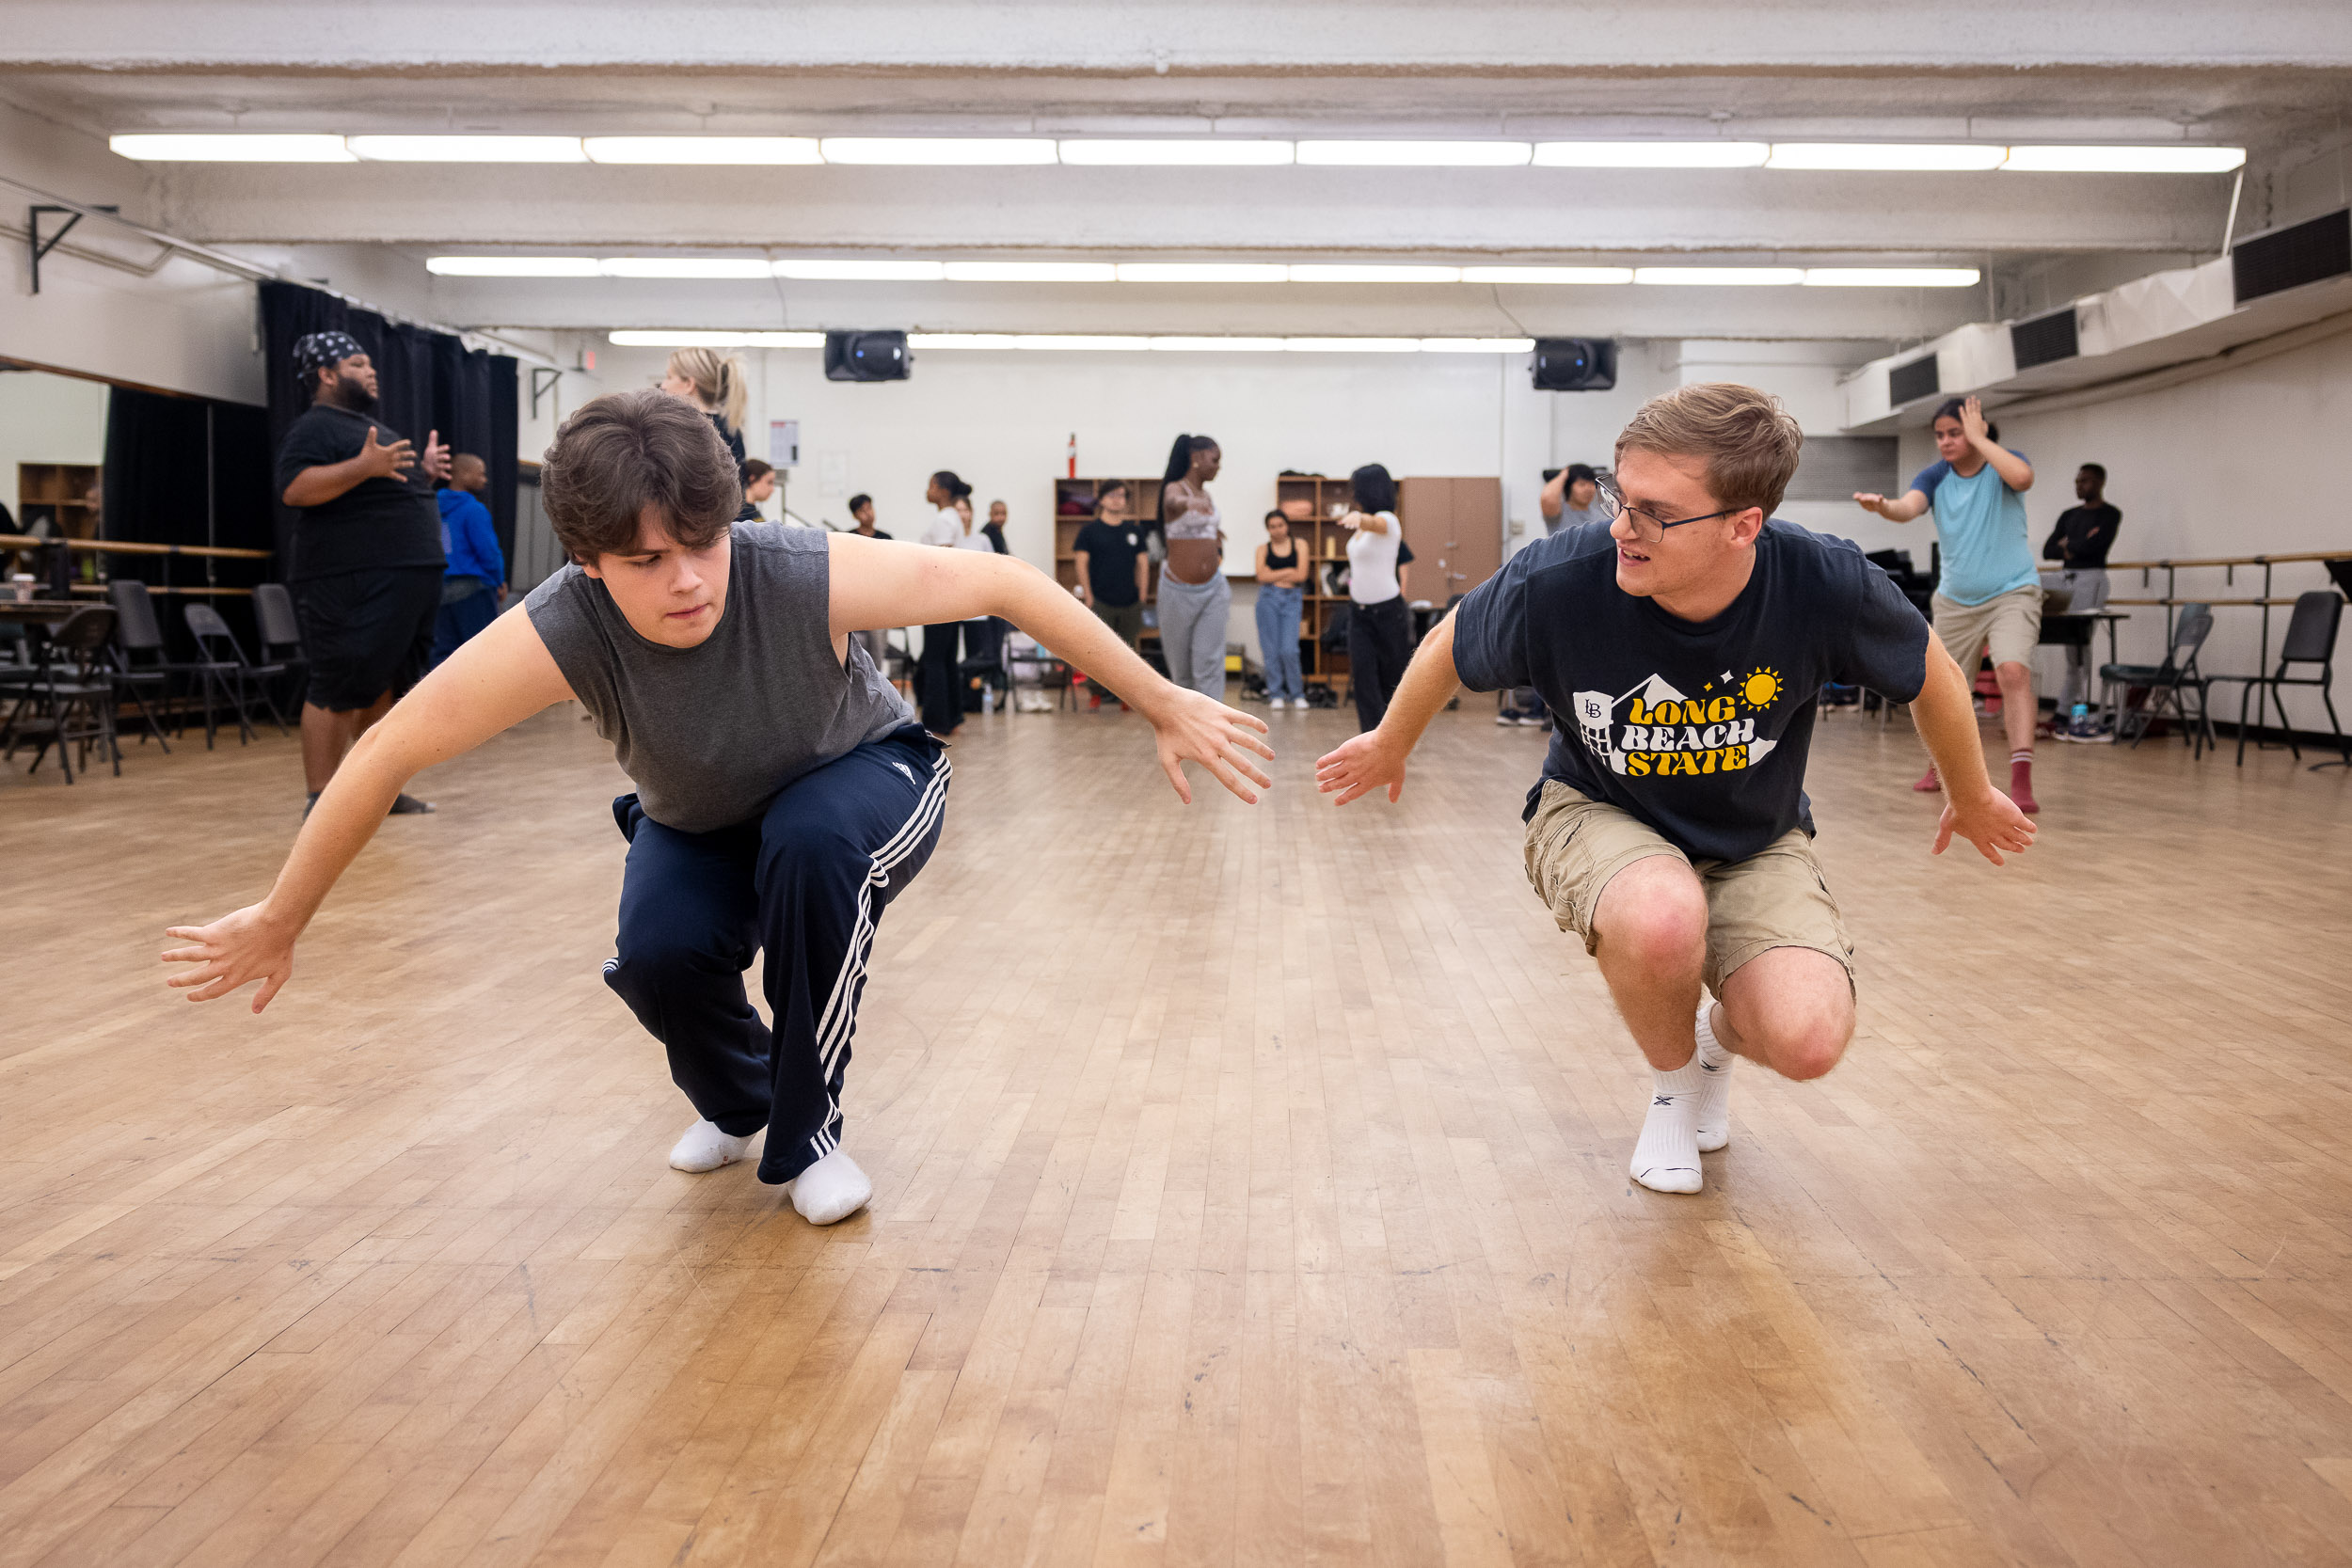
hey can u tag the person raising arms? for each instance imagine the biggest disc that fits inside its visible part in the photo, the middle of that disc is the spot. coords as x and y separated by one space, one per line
784 796
1684 645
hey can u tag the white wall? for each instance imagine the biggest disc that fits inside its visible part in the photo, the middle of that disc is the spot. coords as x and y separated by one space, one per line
2241 463
48 419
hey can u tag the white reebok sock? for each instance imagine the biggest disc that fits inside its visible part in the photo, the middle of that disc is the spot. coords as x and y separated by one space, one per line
703 1147
1666 1157
1714 1106
830 1190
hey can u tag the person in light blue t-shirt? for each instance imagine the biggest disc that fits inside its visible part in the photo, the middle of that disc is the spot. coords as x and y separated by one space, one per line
1990 594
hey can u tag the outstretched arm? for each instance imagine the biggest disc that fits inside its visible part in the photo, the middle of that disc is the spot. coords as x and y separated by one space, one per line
1976 811
1376 757
492 682
875 584
1895 509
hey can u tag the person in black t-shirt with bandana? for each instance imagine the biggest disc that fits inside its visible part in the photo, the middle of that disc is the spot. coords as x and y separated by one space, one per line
368 565
1683 645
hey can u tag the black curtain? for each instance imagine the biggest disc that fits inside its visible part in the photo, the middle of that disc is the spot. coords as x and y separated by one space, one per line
426 381
160 452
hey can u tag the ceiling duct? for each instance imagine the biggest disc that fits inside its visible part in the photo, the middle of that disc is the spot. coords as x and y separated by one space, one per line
1913 380
2288 258
2046 339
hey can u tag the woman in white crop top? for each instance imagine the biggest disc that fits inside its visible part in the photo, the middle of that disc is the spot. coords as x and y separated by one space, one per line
1195 600
1379 628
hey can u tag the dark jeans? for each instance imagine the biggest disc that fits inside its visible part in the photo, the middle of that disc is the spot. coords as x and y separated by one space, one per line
462 617
937 690
805 883
1378 638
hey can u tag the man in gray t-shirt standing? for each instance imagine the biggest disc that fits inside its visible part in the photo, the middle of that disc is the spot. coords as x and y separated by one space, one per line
784 796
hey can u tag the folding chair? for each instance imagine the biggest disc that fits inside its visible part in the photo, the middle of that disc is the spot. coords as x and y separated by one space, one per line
2310 639
78 698
2167 684
282 635
213 635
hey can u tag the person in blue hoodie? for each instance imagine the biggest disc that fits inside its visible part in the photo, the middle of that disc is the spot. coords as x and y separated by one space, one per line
475 585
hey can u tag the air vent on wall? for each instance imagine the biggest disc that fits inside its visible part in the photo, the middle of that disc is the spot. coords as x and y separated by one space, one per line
2045 339
1910 382
2292 257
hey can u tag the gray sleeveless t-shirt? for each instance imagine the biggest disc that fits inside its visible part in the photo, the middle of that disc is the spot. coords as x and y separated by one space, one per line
710 733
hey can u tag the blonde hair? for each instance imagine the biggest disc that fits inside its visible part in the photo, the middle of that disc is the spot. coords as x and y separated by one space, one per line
717 380
1749 441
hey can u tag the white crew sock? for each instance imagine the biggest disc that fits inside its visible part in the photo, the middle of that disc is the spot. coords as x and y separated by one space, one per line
703 1147
1713 1119
833 1188
1666 1157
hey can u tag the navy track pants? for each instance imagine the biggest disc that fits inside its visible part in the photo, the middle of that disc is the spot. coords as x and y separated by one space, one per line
805 882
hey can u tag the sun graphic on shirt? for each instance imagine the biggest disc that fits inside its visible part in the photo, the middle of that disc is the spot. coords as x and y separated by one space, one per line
1761 688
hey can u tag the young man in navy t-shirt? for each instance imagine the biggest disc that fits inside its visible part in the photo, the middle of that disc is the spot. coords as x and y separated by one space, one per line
1683 647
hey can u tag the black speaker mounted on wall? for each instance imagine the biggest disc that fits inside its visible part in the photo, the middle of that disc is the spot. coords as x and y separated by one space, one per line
867 356
1576 364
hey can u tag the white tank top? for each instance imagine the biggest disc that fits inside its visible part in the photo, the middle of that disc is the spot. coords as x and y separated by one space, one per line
1372 562
1196 525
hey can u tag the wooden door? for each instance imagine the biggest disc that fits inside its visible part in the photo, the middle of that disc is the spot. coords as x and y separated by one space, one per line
1426 508
1473 549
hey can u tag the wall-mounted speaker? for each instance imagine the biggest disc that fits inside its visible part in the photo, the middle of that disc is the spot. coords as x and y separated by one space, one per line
1576 364
867 356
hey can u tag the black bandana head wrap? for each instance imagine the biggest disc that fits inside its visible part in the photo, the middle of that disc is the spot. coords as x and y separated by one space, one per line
320 350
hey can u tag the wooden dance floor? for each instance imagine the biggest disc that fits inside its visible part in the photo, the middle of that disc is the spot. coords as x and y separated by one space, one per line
1250 1187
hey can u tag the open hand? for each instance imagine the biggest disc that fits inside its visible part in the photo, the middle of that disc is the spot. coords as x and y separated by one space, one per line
435 457
1870 500
1360 766
1972 420
382 462
244 946
1198 728
1993 824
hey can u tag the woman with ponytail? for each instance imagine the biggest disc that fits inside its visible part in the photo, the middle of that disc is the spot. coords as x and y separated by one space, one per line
714 383
1196 601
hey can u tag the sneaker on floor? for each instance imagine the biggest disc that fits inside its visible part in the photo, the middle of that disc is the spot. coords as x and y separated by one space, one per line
1507 720
1929 784
703 1147
408 805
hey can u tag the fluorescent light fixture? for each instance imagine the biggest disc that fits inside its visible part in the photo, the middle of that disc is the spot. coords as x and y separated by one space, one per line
1199 152
1218 345
675 337
1031 272
1546 275
1351 273
1721 277
1925 157
232 148
861 272
1203 271
685 266
1416 154
513 267
1478 345
703 149
1891 277
2126 160
939 149
468 150
1352 345
1651 155
1081 342
961 340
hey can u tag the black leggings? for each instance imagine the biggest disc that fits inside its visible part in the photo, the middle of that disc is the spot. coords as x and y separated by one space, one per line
936 688
1376 652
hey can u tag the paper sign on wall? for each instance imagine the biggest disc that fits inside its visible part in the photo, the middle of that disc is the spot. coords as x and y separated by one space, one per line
832 472
783 443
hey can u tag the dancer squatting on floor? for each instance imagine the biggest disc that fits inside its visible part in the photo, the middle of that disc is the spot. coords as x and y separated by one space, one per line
784 794
1683 643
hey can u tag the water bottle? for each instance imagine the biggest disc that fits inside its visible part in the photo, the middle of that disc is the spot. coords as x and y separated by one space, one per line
2081 716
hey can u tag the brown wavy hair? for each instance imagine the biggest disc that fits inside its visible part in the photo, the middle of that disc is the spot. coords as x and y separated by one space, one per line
1749 440
625 451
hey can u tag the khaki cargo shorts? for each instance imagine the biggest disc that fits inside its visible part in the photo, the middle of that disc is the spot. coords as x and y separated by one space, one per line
1774 898
2010 623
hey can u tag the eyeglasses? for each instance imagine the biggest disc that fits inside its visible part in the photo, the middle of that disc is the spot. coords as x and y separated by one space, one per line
1648 528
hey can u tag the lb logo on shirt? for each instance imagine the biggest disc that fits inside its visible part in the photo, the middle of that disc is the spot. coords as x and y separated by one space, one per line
1655 731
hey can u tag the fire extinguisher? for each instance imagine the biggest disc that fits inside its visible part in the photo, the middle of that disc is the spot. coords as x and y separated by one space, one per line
1073 454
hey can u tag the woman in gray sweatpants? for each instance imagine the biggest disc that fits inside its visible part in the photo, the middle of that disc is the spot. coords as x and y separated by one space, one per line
1196 601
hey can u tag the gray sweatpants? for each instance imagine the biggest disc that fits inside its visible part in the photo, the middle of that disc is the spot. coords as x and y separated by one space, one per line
1193 624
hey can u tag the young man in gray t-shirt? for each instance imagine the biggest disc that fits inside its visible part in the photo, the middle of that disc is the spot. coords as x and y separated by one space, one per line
784 796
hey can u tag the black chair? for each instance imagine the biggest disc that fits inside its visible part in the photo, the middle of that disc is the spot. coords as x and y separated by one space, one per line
213 635
282 635
74 693
140 655
2310 639
2167 684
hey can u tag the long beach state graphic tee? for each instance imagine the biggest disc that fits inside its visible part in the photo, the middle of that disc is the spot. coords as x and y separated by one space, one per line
1699 728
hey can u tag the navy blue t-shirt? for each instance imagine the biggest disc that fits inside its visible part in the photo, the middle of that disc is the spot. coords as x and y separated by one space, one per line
1699 728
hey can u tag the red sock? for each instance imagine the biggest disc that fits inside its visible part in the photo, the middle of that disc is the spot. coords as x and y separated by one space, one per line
2021 780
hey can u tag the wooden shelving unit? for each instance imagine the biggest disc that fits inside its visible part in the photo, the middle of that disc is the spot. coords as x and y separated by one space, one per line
58 493
1324 542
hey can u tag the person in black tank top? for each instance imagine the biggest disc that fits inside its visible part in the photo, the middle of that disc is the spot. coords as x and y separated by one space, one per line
784 796
1282 574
